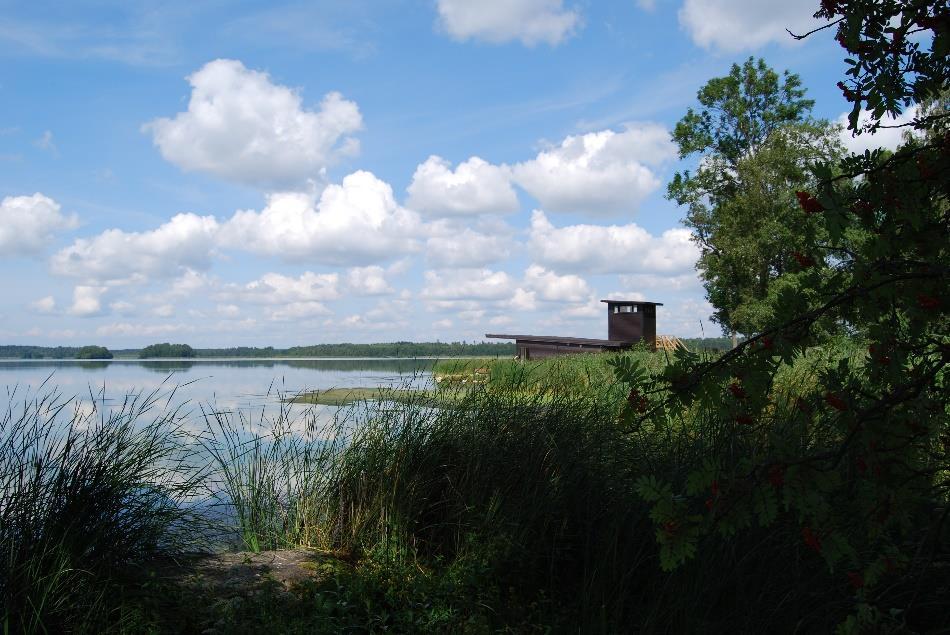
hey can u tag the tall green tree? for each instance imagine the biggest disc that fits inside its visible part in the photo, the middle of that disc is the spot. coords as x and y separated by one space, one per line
755 139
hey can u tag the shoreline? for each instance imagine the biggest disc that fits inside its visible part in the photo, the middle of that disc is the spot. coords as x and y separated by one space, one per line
244 359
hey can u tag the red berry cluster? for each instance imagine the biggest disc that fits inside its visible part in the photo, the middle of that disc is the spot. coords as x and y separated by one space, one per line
637 401
862 208
811 539
808 203
777 475
711 501
878 355
855 579
835 402
830 6
804 261
849 94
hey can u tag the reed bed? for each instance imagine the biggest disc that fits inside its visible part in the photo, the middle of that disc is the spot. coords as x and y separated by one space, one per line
85 491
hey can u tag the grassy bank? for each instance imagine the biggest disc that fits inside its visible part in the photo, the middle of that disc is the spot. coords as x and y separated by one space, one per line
574 374
507 505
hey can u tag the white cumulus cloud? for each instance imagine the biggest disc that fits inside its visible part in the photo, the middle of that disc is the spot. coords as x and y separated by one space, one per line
44 305
474 187
298 311
284 298
357 222
451 245
242 127
369 280
275 288
599 173
690 282
128 329
29 223
622 249
736 25
164 310
467 284
115 257
553 287
889 137
498 21
87 301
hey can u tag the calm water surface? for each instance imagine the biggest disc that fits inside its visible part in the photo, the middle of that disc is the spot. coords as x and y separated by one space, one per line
238 385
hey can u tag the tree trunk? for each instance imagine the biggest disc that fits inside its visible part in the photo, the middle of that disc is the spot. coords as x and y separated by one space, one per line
735 340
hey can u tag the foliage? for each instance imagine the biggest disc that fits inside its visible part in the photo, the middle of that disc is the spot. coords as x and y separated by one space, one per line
707 343
857 455
93 352
755 140
83 495
167 350
897 54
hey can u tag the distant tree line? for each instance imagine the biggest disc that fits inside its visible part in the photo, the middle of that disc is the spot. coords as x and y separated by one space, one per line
239 351
38 352
403 349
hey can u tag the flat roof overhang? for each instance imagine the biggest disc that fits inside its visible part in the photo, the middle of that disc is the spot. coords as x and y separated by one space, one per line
567 341
631 302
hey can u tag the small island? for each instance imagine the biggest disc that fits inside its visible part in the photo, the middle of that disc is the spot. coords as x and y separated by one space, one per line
165 350
94 352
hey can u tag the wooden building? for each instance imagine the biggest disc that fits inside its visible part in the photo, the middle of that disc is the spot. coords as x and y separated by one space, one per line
628 322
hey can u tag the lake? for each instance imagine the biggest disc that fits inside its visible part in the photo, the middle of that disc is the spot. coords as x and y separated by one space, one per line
250 386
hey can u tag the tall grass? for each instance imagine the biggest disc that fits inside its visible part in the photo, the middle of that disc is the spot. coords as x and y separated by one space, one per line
85 491
529 495
269 478
537 488
578 374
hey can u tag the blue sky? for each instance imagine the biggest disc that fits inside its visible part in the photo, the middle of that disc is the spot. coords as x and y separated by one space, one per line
249 173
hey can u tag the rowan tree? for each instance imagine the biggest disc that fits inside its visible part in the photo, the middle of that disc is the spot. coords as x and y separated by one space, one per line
856 456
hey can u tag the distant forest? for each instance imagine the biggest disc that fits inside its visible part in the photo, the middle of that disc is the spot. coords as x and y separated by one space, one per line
389 349
384 349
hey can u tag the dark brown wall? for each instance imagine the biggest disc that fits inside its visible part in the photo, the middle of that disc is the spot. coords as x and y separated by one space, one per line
632 327
649 325
624 327
541 350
